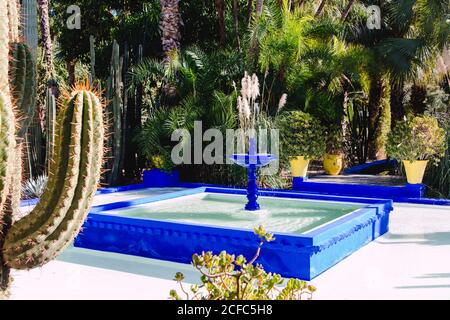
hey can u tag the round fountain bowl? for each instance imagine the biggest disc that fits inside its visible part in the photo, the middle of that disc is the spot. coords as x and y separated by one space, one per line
259 160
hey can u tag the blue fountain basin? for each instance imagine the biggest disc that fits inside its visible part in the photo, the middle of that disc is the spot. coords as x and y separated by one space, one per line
172 230
259 160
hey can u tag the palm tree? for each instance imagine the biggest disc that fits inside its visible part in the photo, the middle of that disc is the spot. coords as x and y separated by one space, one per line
347 10
46 37
411 33
320 8
169 25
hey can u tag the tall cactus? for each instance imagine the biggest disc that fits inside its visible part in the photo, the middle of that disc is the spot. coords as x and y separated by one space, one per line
39 237
115 87
92 54
23 85
74 171
30 25
50 121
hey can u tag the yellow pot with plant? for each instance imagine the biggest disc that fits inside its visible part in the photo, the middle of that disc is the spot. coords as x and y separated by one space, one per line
299 166
302 139
416 142
333 160
333 164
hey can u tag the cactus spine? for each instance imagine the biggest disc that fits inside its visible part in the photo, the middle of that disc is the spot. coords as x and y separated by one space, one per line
74 169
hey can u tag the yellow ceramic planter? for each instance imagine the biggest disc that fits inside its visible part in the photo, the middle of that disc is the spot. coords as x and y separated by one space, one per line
333 164
415 170
299 167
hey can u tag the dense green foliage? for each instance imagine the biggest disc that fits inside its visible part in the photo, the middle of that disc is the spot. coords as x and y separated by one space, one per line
419 138
227 277
438 178
302 135
327 63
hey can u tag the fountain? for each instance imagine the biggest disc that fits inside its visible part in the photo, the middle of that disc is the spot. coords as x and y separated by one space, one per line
252 161
313 232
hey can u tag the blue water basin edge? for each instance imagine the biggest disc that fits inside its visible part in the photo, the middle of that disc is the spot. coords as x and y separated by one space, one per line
303 256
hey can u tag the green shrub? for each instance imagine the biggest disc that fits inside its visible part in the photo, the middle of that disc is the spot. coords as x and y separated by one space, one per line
418 138
335 141
227 277
301 135
438 178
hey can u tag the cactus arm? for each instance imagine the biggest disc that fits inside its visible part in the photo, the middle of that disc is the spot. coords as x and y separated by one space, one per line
30 24
71 225
4 49
29 99
7 145
66 178
45 236
13 15
50 119
18 72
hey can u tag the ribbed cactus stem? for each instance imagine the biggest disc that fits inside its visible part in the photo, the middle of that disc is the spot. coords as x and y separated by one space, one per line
7 146
92 54
30 24
117 101
23 85
14 21
58 217
50 120
7 119
4 48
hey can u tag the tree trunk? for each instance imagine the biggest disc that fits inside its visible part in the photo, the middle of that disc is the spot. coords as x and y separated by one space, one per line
347 10
236 24
418 96
320 9
46 37
170 27
379 116
249 11
71 70
397 107
220 8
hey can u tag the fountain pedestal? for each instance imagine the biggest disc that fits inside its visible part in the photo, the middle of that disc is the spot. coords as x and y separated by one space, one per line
252 163
252 190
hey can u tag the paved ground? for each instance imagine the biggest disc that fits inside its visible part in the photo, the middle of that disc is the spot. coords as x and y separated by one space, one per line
411 262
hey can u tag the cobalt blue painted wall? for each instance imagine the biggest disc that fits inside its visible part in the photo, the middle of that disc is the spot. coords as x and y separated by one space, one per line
302 256
360 190
381 165
156 178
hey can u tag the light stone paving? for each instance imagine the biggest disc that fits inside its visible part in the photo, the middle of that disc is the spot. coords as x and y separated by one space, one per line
411 262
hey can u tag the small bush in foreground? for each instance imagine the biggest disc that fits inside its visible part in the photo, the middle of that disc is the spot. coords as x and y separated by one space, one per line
227 277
